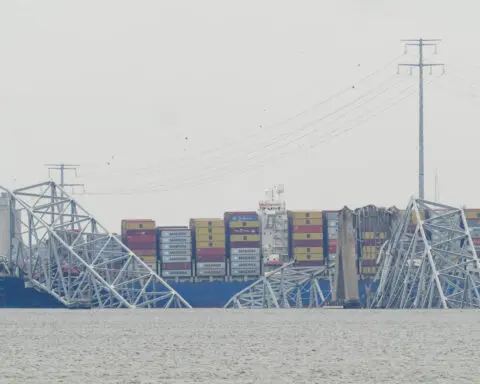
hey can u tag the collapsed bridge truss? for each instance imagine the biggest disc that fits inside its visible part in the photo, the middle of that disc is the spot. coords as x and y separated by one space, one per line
63 250
430 264
286 287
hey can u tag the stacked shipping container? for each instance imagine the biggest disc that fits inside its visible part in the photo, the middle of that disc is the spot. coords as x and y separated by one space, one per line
473 222
174 251
209 246
307 237
244 244
373 228
330 224
140 237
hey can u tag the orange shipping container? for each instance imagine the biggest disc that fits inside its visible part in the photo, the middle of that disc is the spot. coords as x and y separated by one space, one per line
306 214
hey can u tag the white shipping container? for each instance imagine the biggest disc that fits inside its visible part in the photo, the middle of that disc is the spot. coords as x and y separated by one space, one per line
332 224
176 233
245 272
245 251
245 265
175 240
245 257
169 247
176 259
175 252
211 272
212 265
175 273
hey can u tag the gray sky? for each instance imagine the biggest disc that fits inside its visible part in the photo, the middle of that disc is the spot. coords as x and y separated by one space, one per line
84 81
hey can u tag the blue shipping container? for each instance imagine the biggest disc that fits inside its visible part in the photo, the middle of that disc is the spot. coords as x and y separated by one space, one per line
244 218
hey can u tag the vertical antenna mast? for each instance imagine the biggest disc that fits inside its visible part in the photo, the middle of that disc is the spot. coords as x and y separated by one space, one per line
421 43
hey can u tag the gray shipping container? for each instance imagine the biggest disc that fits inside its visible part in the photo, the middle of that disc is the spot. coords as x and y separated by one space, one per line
247 258
245 272
176 259
176 246
179 233
245 265
212 265
210 272
179 273
245 251
175 252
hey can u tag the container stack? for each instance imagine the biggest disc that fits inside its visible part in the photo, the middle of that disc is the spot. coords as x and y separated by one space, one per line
140 237
373 229
473 222
174 252
330 223
243 243
209 247
307 237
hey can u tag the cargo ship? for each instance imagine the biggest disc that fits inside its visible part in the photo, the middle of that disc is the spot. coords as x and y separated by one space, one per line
211 259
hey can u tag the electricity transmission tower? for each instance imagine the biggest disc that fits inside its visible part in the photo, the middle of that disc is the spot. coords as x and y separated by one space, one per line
421 43
62 168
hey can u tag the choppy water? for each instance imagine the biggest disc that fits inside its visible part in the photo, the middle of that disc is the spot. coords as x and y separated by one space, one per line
216 346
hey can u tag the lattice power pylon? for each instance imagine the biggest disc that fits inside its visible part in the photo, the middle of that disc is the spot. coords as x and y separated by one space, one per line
286 287
63 250
430 264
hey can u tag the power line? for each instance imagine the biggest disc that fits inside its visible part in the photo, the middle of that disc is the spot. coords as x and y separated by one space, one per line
421 43
287 138
196 183
253 136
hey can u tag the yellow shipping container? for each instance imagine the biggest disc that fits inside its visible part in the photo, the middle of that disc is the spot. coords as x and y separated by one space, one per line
211 237
207 223
211 230
308 250
210 244
307 257
472 214
129 225
306 214
148 259
307 221
307 236
244 224
235 238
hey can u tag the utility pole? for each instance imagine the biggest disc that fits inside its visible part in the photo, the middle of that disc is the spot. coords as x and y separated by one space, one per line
421 43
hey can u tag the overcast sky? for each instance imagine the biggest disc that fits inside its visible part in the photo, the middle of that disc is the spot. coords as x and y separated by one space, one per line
186 109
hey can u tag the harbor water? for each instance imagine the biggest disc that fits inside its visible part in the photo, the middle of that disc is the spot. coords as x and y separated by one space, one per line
257 346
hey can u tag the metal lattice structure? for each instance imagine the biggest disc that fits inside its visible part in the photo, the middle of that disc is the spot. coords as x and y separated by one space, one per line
286 287
63 250
430 264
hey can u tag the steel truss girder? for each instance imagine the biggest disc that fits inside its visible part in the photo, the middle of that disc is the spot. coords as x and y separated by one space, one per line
432 264
63 250
285 287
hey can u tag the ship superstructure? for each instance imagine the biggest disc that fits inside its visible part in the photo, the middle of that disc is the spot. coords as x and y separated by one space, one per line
274 219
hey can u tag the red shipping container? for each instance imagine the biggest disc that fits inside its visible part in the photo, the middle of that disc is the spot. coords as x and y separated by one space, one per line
476 242
211 258
176 266
310 263
210 251
140 232
308 243
245 244
133 246
369 263
141 239
307 229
